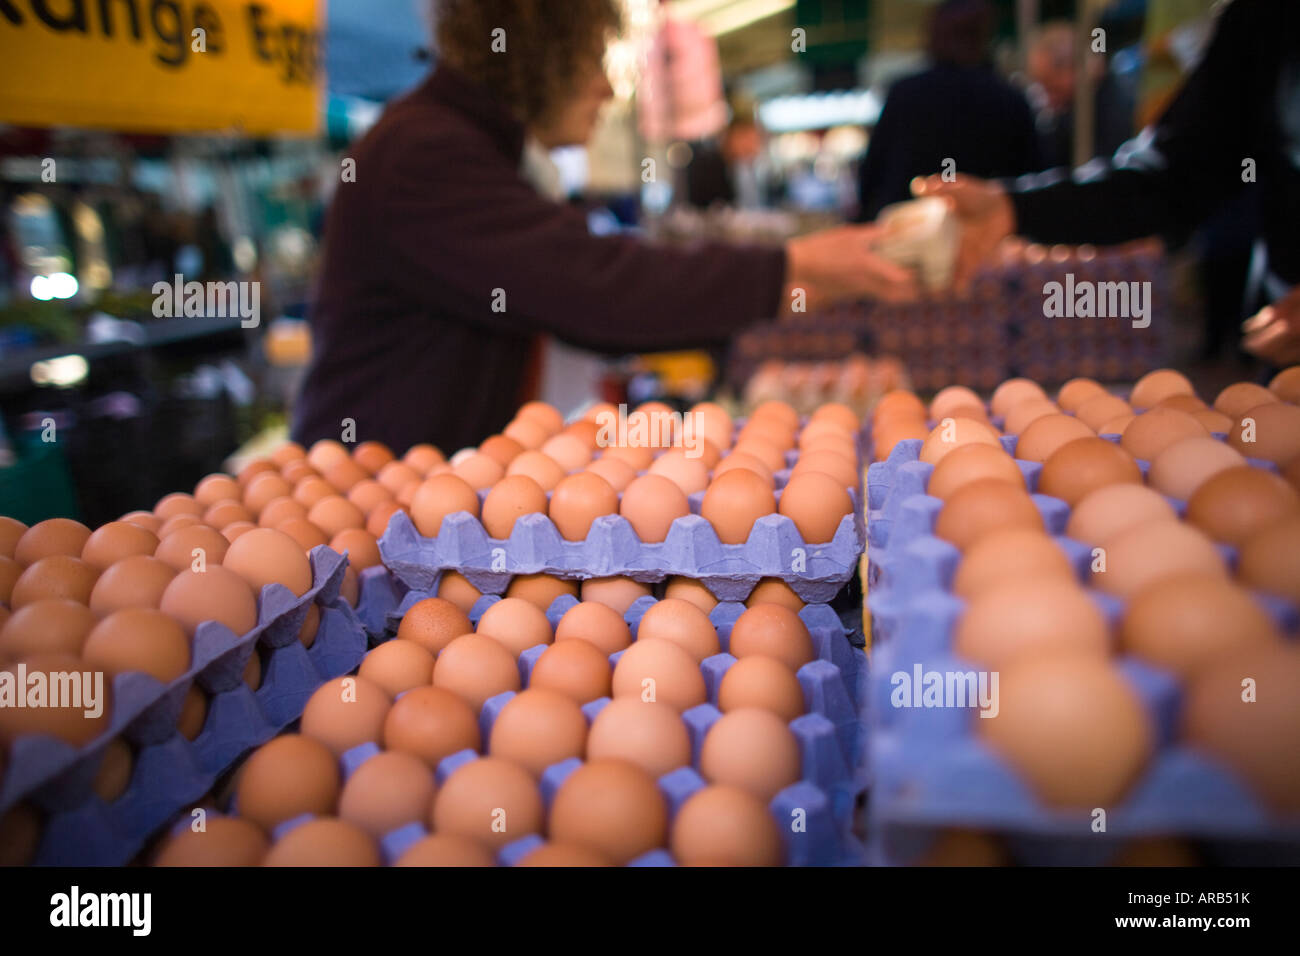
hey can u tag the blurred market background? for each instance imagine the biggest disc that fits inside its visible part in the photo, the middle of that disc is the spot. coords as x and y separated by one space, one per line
760 113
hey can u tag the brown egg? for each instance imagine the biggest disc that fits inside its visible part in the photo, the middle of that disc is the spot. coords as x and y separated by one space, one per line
310 625
325 453
1143 554
898 404
766 591
568 451
1013 392
679 466
774 631
741 461
1243 713
10 572
651 504
537 728
1014 554
54 536
1017 620
223 841
826 439
288 452
734 501
327 842
423 457
172 525
764 682
217 594
169 506
253 672
771 456
225 513
516 624
611 806
114 773
1116 426
1286 385
597 624
438 497
511 498
396 475
368 494
138 639
388 791
20 835
306 534
1082 466
540 590
1045 435
1236 400
575 668
969 463
296 471
562 855
479 471
372 455
769 432
1152 432
1185 622
710 421
545 415
1187 464
816 503
476 667
430 723
335 514
659 671
1183 403
78 724
501 449
751 749
888 434
648 735
618 593
455 587
361 547
115 541
577 501
684 624
616 471
983 506
1073 728
445 849
1101 409
839 414
1270 559
57 576
264 489
254 468
350 589
1270 432
377 520
345 712
489 800
308 492
537 466
11 532
1026 413
1238 502
50 626
1104 513
954 396
774 409
195 546
1157 385
963 848
953 433
267 556
725 826
1077 391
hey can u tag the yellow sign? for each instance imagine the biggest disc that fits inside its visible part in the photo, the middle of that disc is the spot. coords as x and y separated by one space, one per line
163 66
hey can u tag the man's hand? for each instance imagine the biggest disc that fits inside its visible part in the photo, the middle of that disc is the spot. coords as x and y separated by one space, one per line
1273 333
838 264
985 213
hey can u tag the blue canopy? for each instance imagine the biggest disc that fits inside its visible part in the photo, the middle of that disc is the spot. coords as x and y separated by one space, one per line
373 48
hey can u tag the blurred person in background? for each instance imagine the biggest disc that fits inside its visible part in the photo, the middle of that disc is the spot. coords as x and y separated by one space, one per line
729 172
1051 68
1234 127
442 263
958 109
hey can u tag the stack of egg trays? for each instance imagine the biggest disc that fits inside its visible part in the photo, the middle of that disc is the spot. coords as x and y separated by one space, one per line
612 549
831 735
929 769
169 771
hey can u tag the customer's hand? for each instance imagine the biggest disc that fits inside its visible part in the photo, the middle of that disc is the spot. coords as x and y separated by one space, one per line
985 214
838 264
1273 333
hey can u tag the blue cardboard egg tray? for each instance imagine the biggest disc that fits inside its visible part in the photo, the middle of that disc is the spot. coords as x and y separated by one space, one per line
831 739
168 771
691 549
931 771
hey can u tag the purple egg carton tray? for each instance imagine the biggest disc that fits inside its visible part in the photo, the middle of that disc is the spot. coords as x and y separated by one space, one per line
169 772
930 769
831 734
815 572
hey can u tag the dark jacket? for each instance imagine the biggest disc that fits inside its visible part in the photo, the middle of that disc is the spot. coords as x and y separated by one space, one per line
438 228
967 114
1241 103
